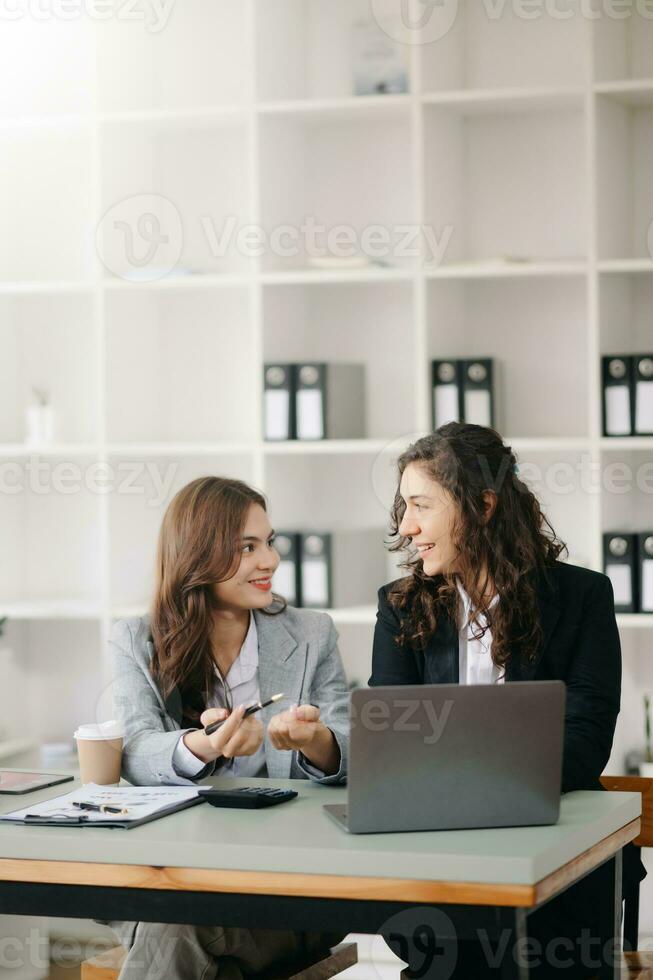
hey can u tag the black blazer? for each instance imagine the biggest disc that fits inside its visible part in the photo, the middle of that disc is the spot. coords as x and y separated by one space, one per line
581 647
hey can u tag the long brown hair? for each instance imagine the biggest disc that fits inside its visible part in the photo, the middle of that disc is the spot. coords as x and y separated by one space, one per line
515 546
198 547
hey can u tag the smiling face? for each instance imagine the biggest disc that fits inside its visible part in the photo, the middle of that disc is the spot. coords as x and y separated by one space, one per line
251 585
428 520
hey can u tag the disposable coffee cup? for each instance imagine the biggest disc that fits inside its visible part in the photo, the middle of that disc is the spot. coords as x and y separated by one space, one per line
99 748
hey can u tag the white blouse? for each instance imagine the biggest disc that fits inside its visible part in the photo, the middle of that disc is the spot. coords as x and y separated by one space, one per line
475 664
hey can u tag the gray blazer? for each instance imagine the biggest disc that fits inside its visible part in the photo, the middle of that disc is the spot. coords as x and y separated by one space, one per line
298 654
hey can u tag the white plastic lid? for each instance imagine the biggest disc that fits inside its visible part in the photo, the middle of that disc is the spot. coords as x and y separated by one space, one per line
101 730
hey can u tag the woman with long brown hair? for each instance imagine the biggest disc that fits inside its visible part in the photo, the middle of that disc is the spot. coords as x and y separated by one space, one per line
486 601
217 640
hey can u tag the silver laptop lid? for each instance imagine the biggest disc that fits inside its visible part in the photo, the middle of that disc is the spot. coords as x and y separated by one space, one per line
446 756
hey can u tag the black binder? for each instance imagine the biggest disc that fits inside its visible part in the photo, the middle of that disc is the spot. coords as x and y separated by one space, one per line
287 577
278 402
478 391
618 395
643 411
620 565
316 571
330 401
645 570
447 392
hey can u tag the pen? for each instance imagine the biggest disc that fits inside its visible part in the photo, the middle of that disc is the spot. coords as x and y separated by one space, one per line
100 807
213 727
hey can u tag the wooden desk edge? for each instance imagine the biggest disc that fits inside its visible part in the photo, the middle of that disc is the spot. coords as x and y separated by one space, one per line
315 885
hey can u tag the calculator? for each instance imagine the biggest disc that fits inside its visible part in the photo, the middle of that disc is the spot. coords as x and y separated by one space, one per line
246 797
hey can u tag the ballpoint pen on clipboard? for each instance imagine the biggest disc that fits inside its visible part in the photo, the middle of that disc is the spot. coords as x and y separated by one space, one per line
100 807
214 726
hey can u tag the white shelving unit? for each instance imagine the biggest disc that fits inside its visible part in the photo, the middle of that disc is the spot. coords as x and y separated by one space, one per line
523 144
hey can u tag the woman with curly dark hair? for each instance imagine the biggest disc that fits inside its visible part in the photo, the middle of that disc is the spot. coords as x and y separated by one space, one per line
488 601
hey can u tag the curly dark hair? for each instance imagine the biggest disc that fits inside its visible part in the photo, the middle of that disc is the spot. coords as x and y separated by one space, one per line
515 546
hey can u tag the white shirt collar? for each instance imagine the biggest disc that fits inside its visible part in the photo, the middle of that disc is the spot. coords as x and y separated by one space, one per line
467 602
245 665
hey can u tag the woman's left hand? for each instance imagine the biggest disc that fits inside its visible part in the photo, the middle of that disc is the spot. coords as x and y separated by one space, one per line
296 728
300 730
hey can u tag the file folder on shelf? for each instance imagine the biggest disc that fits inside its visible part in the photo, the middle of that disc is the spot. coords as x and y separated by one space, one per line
617 380
446 392
643 374
286 577
645 563
620 565
330 401
316 579
477 388
463 391
278 402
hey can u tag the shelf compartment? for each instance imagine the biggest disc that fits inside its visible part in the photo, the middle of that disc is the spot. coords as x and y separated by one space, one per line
625 303
175 56
38 657
193 187
340 491
355 324
623 48
316 177
539 393
47 234
46 64
174 373
466 46
562 482
627 489
485 209
50 530
625 192
48 343
142 490
306 48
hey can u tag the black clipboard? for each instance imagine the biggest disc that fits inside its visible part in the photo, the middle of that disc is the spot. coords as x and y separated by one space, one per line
112 822
12 785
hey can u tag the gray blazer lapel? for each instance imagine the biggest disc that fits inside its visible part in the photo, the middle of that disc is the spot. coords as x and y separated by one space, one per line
172 704
281 667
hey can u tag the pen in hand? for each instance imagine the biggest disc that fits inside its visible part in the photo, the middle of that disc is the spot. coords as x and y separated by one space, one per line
100 807
214 726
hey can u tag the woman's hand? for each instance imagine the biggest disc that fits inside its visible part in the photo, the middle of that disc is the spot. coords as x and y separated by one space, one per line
300 730
237 736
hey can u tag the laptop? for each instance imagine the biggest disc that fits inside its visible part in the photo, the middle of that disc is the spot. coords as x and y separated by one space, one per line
453 757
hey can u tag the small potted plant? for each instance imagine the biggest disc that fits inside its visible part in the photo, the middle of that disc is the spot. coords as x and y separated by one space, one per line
40 419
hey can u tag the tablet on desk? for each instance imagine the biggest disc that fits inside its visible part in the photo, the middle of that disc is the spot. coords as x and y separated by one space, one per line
15 781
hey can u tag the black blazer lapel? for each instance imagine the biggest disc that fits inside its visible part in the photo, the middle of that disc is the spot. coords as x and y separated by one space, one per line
441 666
